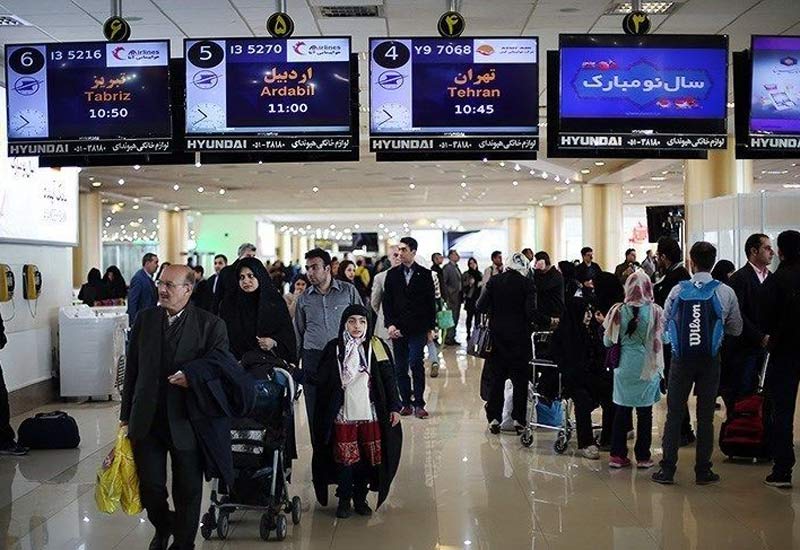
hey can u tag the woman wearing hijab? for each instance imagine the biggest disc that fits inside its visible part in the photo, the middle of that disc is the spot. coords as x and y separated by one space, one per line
471 284
723 270
115 284
510 300
299 285
607 292
579 352
256 314
357 436
570 273
637 326
93 290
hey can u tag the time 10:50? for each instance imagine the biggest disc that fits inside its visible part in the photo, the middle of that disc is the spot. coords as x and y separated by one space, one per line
109 113
474 109
75 55
256 49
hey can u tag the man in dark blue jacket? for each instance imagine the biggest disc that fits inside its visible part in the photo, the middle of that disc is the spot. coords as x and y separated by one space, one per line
142 292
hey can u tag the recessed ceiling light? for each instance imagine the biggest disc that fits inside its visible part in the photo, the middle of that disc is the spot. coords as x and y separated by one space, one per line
585 171
97 183
201 189
136 167
315 189
356 226
502 164
658 178
517 168
121 181
176 187
412 186
136 207
197 164
177 209
791 185
463 184
515 183
222 191
599 163
545 175
154 220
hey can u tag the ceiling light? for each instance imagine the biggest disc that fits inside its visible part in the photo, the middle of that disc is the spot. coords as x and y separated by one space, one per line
176 187
381 226
261 162
197 164
222 191
585 171
315 189
791 185
356 226
96 184
121 181
463 184
154 220
412 186
140 220
177 209
532 172
108 219
652 8
515 183
201 189
108 224
136 207
658 178
136 167
502 164
599 163
558 178
568 181
333 226
485 160
540 203
517 168
545 175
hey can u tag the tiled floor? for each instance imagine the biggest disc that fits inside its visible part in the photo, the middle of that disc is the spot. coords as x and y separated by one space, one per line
458 487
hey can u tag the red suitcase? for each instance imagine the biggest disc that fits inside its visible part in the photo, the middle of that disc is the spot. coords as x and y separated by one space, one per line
745 433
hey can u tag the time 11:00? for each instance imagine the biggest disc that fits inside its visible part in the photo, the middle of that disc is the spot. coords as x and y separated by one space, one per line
474 109
109 113
289 108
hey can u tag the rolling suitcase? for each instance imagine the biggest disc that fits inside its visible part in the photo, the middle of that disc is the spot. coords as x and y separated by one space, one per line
745 433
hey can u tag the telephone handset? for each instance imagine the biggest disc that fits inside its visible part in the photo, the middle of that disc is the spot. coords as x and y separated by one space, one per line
7 283
31 282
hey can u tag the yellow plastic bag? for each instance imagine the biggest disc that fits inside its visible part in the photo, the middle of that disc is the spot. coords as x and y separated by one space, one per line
117 482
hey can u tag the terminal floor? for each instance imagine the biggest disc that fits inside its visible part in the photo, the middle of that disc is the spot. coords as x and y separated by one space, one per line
458 487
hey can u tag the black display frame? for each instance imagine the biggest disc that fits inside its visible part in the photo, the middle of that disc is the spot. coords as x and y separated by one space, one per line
78 147
454 147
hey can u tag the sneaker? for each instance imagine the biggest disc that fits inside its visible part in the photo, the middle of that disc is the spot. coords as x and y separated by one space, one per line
434 370
663 477
421 413
619 462
344 510
782 481
508 426
644 464
406 411
362 508
591 452
494 427
15 449
706 478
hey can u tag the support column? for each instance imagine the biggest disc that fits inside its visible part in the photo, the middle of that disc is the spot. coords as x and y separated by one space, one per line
89 252
520 233
172 235
548 221
304 247
285 253
601 207
296 248
719 175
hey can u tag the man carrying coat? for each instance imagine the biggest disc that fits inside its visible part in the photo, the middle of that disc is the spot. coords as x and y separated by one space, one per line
154 405
451 291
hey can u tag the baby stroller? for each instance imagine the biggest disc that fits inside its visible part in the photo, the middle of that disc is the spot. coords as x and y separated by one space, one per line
263 447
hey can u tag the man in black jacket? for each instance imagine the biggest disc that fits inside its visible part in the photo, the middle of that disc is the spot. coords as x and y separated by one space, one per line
779 312
588 269
671 272
746 352
154 405
409 310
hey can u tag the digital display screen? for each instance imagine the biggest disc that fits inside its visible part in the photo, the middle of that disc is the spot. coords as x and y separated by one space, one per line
460 88
656 92
88 98
775 96
268 94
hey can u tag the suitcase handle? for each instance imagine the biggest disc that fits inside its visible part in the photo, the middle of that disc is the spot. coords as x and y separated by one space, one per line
762 376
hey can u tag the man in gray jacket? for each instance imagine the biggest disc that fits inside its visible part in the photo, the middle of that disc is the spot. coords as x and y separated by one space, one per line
451 291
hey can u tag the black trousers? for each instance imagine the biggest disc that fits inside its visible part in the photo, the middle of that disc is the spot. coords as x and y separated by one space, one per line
623 419
586 397
6 431
150 455
470 320
783 378
354 481
686 423
519 379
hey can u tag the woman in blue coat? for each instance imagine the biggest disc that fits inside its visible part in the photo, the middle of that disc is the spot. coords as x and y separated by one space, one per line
637 326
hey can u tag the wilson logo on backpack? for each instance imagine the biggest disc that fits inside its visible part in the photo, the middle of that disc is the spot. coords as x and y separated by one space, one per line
695 324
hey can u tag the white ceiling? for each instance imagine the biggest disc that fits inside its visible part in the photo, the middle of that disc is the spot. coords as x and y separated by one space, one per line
284 191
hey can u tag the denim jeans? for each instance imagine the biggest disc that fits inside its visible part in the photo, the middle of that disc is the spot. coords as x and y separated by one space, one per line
409 352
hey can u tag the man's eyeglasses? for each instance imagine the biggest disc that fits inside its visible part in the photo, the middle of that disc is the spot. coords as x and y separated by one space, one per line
169 285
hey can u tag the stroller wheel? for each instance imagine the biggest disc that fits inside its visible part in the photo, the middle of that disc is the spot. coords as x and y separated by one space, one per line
223 525
526 438
297 510
281 527
208 524
560 445
265 526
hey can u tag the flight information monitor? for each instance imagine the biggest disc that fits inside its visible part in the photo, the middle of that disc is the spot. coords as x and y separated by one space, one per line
463 95
269 95
774 121
88 98
653 92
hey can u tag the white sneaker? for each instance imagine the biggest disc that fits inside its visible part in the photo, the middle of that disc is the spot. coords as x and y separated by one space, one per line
591 452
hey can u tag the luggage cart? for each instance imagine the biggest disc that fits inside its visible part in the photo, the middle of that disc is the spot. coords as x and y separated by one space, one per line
545 370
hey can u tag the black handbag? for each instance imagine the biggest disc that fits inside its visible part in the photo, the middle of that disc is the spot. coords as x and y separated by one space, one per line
50 430
480 341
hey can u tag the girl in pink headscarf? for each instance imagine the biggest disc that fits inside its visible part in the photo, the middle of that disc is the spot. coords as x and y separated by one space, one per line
637 326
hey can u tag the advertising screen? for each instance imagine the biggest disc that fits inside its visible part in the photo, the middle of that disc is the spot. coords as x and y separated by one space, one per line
655 91
775 96
268 94
454 95
88 98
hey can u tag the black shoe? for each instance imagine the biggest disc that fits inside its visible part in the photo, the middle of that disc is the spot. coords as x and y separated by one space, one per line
160 541
344 510
706 478
663 477
362 508
688 439
782 481
494 427
15 449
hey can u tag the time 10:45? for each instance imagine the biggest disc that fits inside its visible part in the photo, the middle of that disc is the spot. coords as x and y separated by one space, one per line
474 109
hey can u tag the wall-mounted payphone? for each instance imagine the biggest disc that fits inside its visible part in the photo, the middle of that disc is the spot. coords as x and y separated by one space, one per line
7 283
31 282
